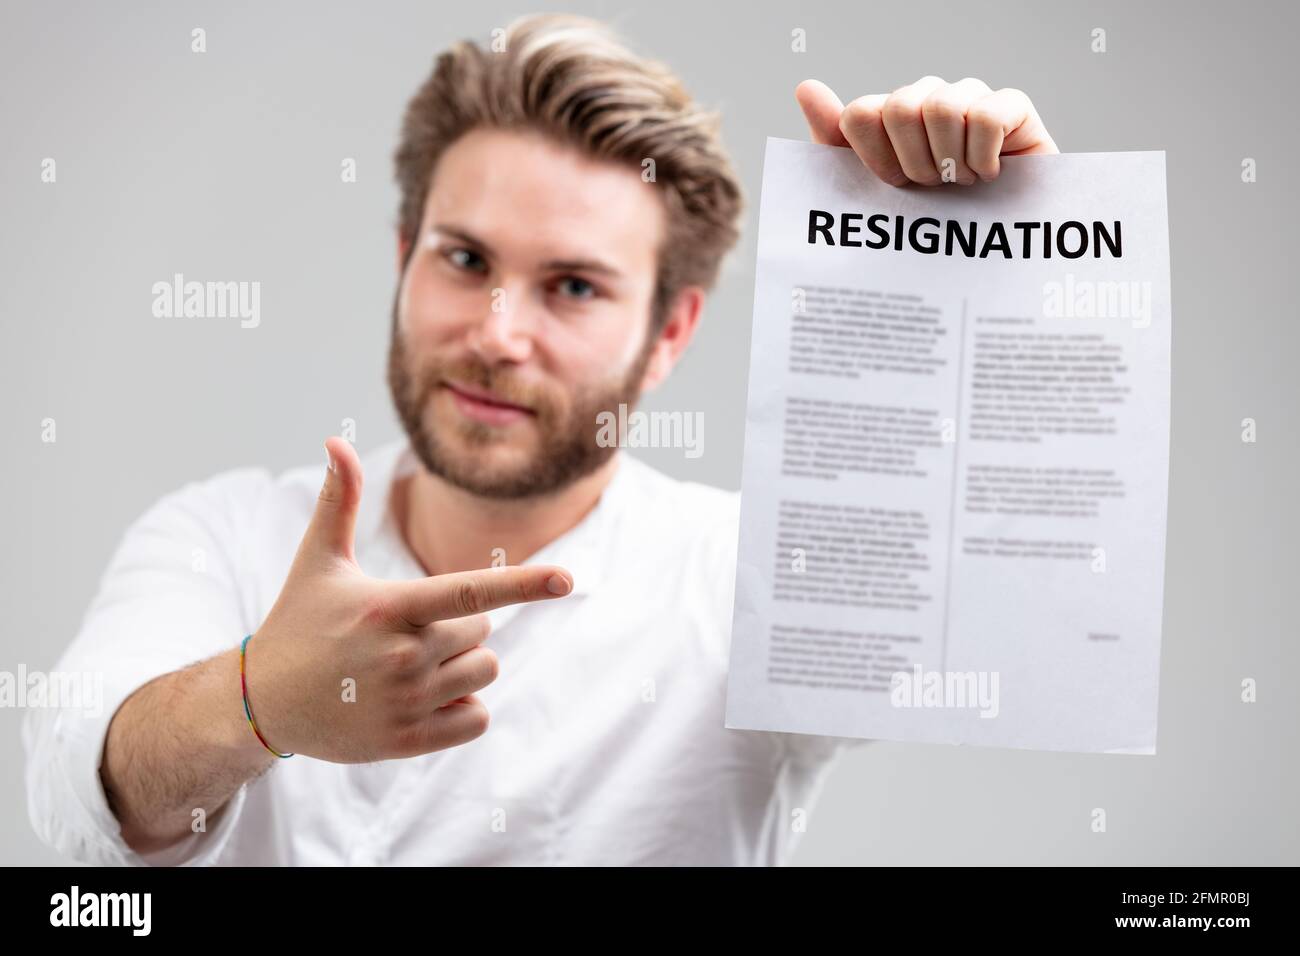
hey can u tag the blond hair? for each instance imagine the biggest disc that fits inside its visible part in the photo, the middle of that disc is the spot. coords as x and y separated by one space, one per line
570 78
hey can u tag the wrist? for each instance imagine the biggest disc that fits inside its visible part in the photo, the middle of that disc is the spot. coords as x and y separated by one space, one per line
227 730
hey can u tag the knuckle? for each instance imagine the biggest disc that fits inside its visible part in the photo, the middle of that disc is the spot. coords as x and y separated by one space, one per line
901 110
468 597
983 115
927 82
402 657
943 105
378 613
971 87
862 113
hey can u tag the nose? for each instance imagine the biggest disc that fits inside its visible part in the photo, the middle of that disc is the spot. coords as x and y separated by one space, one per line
505 331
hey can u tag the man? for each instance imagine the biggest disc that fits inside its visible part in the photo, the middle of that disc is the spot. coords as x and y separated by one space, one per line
543 279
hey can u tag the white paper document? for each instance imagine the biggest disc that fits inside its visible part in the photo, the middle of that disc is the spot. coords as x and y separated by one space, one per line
956 455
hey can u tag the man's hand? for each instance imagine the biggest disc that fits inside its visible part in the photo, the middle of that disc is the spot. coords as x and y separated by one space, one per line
413 648
931 132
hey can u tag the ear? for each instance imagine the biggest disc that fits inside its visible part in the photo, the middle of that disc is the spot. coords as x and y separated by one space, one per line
679 328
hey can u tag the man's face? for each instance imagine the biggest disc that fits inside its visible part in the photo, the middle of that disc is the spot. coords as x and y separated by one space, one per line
523 312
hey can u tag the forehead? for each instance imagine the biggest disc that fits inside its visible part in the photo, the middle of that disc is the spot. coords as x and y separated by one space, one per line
527 195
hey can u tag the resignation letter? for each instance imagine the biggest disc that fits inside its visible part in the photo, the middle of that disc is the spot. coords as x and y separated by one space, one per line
956 455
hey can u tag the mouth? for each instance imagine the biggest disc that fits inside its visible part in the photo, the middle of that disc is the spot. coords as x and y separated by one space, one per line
480 405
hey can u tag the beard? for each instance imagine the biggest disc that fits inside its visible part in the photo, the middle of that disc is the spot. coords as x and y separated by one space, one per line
563 445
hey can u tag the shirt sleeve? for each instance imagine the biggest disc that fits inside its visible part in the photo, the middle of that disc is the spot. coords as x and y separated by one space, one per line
169 598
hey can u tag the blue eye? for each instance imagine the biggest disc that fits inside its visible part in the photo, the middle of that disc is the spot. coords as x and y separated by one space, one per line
577 288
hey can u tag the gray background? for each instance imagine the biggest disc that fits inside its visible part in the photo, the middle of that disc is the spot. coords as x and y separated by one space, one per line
226 166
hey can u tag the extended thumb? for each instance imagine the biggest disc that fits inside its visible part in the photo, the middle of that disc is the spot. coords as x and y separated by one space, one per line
333 525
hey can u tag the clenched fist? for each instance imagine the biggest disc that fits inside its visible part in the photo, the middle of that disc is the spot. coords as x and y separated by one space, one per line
930 132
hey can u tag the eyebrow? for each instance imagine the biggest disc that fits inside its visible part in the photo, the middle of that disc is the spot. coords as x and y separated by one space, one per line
559 265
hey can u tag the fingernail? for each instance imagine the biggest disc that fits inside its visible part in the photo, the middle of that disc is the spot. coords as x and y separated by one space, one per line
559 584
329 459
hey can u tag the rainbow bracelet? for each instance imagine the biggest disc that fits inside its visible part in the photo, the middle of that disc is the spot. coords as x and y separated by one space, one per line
248 710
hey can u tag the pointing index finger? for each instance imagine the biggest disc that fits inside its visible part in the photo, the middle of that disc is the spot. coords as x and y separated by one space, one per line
463 593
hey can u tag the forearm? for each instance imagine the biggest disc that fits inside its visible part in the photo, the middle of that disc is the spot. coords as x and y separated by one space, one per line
178 744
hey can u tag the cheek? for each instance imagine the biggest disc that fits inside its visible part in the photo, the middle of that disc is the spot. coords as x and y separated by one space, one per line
597 347
430 308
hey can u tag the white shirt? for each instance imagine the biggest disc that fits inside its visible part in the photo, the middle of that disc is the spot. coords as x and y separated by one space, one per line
606 743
